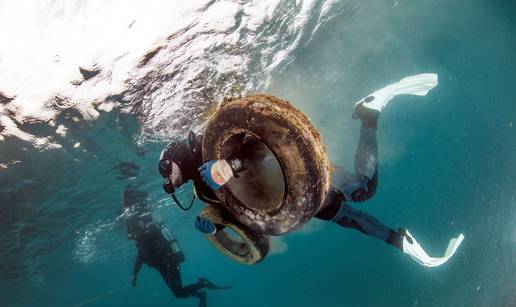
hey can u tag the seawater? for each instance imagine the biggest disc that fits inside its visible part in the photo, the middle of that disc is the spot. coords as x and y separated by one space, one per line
446 166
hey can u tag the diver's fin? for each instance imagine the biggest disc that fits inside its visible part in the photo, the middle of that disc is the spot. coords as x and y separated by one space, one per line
412 248
208 284
418 85
220 288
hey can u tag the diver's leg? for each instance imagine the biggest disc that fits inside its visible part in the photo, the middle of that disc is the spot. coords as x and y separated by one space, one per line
367 224
202 283
202 298
366 157
346 216
362 185
342 214
192 288
172 278
402 239
195 290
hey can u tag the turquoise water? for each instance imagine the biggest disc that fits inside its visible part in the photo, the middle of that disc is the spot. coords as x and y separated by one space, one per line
446 166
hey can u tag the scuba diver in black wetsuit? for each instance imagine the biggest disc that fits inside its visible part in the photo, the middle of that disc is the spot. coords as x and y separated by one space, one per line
158 248
180 162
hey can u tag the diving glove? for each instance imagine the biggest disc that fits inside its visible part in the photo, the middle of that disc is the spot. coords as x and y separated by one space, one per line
215 173
412 248
205 226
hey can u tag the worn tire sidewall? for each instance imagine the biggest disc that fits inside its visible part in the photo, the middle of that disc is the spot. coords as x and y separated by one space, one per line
289 134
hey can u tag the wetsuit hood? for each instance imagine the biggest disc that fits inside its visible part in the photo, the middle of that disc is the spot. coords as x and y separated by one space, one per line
186 155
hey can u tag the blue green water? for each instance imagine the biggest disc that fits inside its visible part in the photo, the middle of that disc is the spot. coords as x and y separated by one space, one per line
446 166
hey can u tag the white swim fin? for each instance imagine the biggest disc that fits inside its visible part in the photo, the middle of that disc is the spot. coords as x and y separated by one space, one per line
412 248
418 85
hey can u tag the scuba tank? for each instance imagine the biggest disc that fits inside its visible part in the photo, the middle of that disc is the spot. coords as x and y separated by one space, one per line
178 255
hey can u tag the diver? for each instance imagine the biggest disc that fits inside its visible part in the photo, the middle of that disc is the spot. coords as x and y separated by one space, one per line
182 161
158 248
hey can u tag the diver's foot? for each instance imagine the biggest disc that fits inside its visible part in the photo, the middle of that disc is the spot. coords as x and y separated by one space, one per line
396 238
368 116
371 102
208 284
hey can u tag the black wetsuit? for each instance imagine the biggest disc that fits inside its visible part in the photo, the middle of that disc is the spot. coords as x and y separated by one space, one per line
346 187
155 251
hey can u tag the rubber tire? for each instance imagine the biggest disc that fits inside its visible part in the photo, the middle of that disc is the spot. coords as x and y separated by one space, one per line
252 250
298 147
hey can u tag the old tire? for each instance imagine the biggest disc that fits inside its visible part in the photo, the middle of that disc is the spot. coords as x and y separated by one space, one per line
295 143
249 247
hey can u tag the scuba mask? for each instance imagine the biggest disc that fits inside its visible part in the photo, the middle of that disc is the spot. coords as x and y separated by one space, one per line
165 170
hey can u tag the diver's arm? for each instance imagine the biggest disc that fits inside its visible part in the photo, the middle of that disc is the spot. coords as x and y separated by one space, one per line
136 268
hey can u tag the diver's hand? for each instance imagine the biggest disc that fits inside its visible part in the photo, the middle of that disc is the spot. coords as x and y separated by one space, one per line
215 173
133 280
205 226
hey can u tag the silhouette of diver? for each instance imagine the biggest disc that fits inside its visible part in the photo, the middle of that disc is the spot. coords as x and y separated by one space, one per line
158 248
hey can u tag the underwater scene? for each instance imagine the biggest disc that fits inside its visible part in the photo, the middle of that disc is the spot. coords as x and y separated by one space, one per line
257 153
